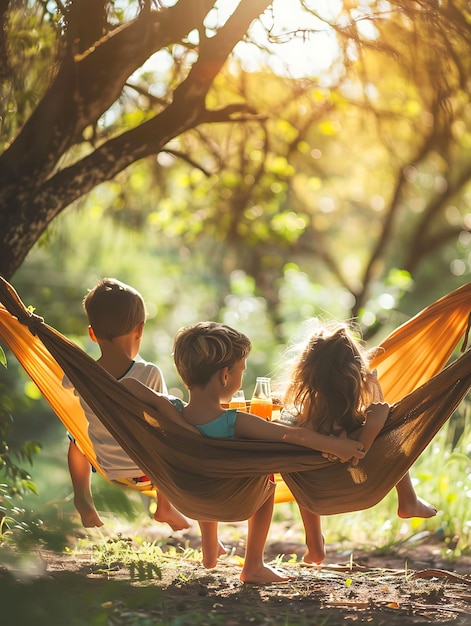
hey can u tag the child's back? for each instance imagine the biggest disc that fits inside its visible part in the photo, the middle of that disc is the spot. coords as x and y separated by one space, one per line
116 314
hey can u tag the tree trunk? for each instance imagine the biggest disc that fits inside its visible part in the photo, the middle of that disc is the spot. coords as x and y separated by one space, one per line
34 188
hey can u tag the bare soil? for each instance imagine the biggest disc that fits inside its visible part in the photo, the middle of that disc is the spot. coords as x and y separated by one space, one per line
413 584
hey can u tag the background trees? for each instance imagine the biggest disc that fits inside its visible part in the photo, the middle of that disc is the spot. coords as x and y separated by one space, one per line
257 184
371 152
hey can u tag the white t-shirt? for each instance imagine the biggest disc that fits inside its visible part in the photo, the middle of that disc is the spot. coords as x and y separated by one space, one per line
110 456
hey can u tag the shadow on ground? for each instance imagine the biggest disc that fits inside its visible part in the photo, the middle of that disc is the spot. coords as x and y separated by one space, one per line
412 585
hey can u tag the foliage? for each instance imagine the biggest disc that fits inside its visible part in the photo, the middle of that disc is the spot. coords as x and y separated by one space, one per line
19 526
274 199
92 118
263 160
145 560
17 479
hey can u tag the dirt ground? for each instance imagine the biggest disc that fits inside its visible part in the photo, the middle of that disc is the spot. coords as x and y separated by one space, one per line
413 585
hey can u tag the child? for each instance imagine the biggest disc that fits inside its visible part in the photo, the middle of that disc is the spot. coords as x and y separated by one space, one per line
116 313
210 359
332 391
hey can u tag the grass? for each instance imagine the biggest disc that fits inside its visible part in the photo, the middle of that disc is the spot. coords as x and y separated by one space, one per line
144 559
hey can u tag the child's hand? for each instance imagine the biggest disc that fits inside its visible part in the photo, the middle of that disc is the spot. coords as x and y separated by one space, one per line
332 457
345 449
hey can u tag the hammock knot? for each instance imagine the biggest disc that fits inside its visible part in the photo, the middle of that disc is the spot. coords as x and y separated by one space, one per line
358 475
32 321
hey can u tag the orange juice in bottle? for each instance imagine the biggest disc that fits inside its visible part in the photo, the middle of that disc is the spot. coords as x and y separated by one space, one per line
261 403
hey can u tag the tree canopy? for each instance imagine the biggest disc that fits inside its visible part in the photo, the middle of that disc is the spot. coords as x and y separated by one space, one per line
77 112
61 151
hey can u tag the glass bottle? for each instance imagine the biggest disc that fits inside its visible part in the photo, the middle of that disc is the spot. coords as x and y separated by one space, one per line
261 403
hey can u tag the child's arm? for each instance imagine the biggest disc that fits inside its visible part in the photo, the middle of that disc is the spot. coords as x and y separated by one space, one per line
250 426
376 416
156 400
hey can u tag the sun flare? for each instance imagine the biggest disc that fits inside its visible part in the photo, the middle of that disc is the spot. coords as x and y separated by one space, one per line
302 43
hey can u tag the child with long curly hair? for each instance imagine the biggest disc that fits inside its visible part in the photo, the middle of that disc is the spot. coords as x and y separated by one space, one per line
332 390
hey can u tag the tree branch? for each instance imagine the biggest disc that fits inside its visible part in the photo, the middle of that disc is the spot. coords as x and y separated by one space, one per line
85 86
118 153
187 110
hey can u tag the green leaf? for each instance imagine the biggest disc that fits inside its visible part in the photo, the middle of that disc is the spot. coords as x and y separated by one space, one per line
31 390
3 358
28 484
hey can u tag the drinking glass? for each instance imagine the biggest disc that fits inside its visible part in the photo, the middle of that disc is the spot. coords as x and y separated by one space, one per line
238 401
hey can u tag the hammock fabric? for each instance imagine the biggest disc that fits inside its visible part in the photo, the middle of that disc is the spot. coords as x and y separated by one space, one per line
227 480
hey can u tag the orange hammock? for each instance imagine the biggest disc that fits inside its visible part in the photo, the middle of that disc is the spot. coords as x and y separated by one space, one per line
227 480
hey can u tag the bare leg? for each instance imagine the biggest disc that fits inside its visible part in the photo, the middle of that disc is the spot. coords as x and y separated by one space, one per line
211 547
81 473
167 513
254 569
315 544
409 504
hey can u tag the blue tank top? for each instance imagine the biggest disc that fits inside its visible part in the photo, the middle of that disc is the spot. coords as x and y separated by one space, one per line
222 426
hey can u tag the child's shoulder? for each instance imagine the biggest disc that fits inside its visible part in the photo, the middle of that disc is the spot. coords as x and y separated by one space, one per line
143 369
140 362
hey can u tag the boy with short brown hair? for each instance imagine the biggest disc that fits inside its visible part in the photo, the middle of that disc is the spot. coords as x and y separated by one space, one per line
116 313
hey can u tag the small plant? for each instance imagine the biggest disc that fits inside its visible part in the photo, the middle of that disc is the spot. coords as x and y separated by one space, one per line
144 560
16 524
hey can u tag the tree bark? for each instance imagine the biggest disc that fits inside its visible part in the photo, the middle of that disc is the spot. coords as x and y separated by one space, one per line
34 188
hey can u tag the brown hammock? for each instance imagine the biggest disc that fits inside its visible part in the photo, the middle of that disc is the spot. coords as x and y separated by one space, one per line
227 480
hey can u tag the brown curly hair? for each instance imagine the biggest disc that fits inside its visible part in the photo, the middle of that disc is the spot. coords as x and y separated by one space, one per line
328 389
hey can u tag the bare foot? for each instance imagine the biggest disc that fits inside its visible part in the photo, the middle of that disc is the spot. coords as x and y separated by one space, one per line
88 514
174 519
419 508
263 574
315 551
